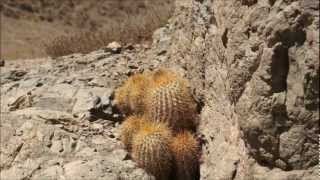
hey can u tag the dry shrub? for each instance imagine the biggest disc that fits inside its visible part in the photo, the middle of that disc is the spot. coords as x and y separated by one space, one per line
125 29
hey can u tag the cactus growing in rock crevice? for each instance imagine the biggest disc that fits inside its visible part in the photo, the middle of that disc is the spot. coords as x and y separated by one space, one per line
129 98
129 128
185 150
169 100
160 102
151 150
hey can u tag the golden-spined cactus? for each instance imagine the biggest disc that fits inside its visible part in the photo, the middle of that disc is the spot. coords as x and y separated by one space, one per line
129 98
185 150
151 150
169 100
129 128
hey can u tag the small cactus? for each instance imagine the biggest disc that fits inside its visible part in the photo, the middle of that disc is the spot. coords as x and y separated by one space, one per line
129 128
151 150
169 100
129 98
185 150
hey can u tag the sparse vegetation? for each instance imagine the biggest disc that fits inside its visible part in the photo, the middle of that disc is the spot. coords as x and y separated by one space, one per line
127 29
36 28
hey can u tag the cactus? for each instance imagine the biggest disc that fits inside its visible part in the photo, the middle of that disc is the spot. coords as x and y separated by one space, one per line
129 128
151 150
169 100
129 97
185 150
159 102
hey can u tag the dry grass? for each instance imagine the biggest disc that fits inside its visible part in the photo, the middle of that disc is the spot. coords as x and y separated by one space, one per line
126 29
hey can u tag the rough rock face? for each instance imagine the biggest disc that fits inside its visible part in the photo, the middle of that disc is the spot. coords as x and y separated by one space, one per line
58 120
254 68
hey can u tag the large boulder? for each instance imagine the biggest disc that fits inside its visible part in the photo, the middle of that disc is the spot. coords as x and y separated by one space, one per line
254 66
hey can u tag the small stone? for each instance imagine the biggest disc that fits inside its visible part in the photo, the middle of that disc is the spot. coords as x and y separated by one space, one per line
281 164
96 126
2 63
122 154
113 47
129 47
133 66
39 84
162 52
16 75
111 136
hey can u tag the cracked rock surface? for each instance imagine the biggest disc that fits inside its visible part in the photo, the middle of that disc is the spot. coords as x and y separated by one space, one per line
254 69
58 120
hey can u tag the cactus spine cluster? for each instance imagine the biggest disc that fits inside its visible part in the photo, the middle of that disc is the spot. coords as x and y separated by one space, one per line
129 97
169 100
151 150
129 128
159 104
185 150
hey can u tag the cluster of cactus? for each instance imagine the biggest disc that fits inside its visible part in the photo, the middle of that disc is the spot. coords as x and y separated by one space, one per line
157 132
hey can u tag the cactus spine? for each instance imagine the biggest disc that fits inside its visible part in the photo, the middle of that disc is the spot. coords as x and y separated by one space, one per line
130 96
169 100
151 150
185 150
129 128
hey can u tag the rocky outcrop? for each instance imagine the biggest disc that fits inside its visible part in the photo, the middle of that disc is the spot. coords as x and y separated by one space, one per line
254 69
58 120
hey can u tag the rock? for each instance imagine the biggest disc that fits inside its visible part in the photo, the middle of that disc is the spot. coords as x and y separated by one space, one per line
23 171
114 47
45 122
95 103
58 97
87 152
101 168
2 62
22 102
15 75
49 173
250 63
105 109
129 47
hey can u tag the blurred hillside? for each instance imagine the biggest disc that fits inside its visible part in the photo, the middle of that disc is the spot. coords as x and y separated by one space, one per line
29 24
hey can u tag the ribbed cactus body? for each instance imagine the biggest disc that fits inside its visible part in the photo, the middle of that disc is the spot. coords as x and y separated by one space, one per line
129 128
130 96
185 150
151 150
160 103
169 100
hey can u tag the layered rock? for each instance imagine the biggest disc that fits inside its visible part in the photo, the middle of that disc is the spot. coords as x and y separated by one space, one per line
58 120
255 69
